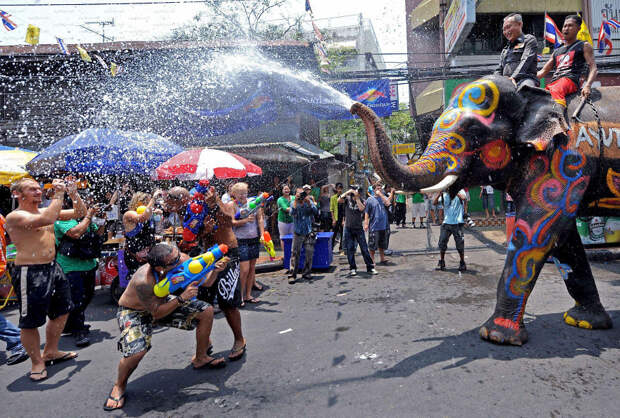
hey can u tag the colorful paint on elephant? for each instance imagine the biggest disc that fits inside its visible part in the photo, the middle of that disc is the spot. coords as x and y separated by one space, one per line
613 183
446 149
557 191
495 154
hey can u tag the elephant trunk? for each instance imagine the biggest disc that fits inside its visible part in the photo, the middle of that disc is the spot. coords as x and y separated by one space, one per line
407 178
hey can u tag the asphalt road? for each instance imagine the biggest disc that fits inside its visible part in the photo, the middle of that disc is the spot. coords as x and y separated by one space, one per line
403 343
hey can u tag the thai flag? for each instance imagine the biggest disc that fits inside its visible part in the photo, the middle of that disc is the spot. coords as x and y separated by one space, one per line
8 23
62 46
614 23
552 33
604 38
308 8
539 57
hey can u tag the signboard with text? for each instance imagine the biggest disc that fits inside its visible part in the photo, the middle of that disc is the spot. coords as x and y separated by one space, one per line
399 149
394 96
458 22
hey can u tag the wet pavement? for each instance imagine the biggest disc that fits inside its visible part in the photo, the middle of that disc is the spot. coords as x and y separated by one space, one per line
403 343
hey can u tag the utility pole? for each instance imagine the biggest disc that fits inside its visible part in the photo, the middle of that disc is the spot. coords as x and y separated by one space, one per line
103 24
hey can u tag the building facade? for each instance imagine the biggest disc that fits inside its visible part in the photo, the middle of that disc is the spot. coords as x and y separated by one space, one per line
482 46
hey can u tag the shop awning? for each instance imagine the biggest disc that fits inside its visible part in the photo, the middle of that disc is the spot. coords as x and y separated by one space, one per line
430 99
287 152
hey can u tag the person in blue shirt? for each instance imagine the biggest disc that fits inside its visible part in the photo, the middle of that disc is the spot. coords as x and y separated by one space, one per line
452 225
303 211
377 224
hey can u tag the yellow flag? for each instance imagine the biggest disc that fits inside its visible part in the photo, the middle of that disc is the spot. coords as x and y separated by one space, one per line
83 54
584 33
32 35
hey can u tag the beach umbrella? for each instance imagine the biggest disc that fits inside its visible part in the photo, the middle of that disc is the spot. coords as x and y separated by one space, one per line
13 163
204 163
105 151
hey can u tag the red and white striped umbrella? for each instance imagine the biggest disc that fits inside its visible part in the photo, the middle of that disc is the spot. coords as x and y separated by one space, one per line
201 163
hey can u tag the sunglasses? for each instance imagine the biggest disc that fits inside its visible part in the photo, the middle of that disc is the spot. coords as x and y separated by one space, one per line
175 261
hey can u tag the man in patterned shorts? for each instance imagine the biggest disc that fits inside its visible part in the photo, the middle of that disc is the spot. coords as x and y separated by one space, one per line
139 309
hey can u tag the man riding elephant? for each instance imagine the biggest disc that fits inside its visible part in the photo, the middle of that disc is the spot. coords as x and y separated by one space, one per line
570 64
519 57
517 141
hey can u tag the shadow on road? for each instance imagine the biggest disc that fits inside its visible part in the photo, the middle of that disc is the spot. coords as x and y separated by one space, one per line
458 350
169 389
24 384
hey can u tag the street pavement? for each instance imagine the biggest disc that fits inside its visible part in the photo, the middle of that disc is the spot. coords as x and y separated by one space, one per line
402 343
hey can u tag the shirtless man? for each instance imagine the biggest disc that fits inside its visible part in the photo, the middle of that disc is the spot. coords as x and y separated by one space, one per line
41 287
217 228
139 308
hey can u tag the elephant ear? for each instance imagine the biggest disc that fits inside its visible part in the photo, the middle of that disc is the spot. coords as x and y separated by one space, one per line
542 118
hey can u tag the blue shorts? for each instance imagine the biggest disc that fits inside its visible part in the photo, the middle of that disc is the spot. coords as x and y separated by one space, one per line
248 249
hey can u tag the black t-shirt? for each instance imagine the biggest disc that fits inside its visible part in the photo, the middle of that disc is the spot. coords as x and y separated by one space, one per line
569 62
353 215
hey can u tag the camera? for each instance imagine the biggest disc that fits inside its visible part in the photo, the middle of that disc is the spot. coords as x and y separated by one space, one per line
303 195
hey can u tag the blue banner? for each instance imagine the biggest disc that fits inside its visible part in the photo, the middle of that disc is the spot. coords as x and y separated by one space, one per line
330 104
255 110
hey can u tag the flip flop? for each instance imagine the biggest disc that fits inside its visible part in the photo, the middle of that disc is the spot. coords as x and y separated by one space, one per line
238 350
211 365
68 356
123 398
257 287
252 300
17 358
38 374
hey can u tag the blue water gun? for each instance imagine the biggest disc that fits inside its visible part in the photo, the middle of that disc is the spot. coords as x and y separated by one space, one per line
196 212
192 270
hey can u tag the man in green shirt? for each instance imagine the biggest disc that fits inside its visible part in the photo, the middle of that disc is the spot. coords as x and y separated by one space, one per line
337 211
285 220
418 208
79 272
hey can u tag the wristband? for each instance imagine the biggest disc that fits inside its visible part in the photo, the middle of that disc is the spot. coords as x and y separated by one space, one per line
180 300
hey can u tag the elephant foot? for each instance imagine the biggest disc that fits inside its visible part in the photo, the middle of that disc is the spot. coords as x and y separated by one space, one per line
588 317
503 331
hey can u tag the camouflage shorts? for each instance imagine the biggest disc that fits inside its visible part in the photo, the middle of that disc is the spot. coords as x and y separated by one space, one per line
137 326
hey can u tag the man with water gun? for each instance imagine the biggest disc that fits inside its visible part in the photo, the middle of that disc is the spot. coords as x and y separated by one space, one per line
139 307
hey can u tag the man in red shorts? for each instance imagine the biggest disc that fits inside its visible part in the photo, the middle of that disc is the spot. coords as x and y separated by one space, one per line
569 62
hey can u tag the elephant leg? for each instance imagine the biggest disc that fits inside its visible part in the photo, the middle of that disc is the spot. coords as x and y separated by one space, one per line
571 259
524 261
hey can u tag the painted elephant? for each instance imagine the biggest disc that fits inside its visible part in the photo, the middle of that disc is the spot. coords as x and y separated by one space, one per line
519 141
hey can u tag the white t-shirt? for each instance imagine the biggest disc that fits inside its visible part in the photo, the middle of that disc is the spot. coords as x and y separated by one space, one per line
488 189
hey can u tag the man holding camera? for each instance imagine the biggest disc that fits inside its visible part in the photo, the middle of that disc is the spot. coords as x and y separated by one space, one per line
353 230
303 212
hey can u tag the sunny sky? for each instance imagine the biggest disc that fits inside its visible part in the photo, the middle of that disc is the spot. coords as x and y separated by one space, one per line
155 22
149 22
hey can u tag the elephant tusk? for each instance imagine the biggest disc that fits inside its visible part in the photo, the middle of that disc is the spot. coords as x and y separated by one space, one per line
442 185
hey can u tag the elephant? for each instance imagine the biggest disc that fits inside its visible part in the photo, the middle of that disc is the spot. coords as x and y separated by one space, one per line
520 141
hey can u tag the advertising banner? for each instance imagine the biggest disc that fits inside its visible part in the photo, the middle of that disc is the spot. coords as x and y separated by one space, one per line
599 230
375 94
458 22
